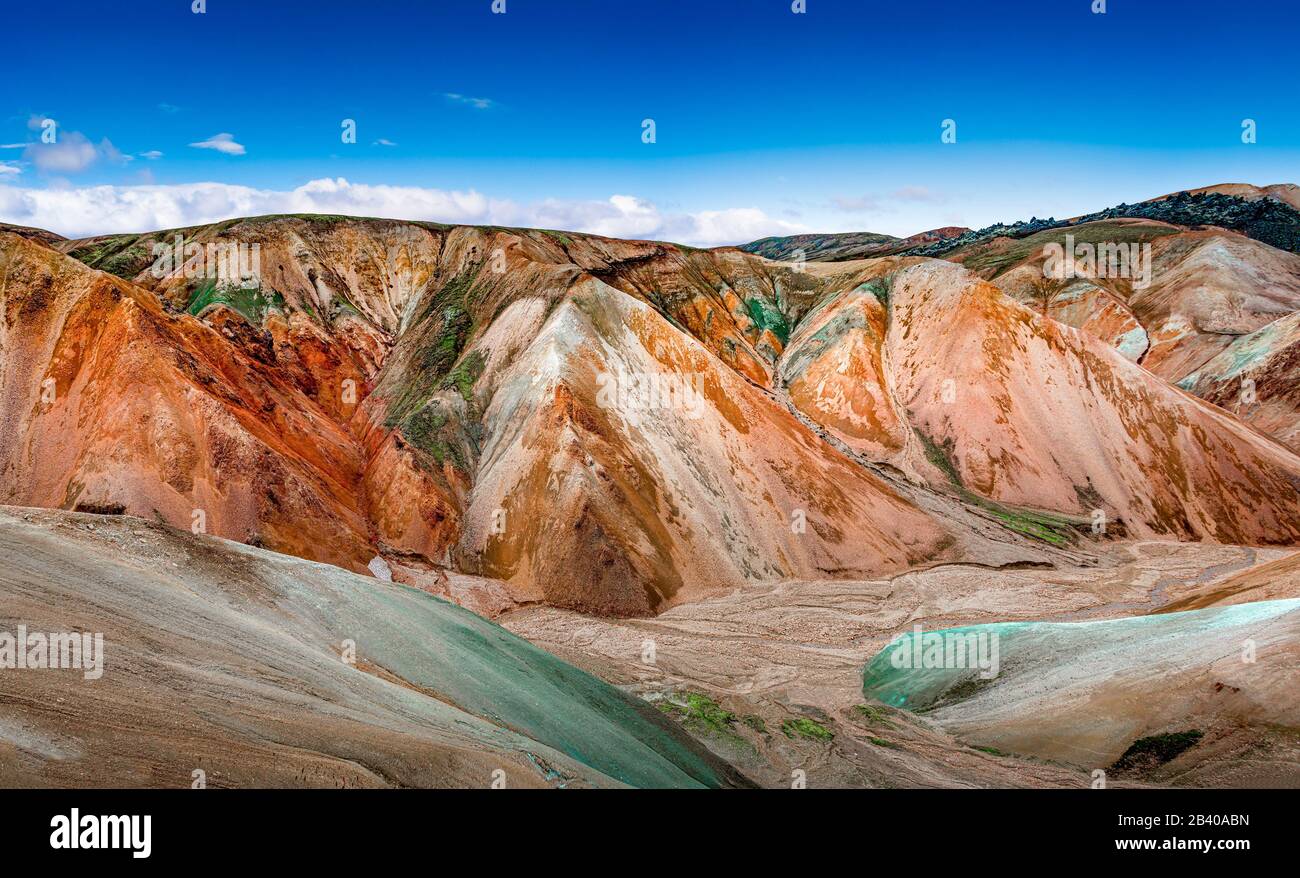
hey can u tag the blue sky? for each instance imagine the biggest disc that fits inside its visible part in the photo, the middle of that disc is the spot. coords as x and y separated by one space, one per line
766 121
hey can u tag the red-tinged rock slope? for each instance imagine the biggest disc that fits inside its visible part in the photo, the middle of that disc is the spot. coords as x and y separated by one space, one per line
1021 410
109 403
629 504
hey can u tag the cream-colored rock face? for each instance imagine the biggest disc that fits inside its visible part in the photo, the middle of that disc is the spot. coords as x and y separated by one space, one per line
835 373
1206 288
1257 378
1044 416
1085 305
1021 409
616 437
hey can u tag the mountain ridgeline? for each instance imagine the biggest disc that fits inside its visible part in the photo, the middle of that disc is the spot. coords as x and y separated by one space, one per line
465 409
1265 218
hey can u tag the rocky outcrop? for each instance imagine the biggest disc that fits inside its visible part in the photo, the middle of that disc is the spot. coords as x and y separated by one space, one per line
1257 378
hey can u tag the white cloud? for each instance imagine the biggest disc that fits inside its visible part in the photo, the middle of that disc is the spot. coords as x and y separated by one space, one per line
886 202
854 203
112 153
10 169
151 155
223 143
735 225
476 103
104 209
383 141
71 153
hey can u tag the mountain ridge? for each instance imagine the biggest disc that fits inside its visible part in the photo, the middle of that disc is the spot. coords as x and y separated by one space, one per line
430 398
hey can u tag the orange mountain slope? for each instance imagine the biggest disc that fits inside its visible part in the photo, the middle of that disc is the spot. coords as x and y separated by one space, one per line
1019 409
509 416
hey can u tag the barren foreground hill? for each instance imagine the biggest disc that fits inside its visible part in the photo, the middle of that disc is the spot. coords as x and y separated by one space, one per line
264 670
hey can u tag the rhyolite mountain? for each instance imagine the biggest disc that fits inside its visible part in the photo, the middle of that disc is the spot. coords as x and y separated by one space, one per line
1225 274
427 402
845 246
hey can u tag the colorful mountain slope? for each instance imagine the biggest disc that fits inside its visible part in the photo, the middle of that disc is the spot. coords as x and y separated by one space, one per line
613 426
110 403
1257 378
614 500
1021 410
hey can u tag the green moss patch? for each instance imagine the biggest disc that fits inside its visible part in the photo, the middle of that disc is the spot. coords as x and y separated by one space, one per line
873 714
700 713
465 373
1038 525
122 255
809 730
704 717
250 302
431 430
444 326
767 317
